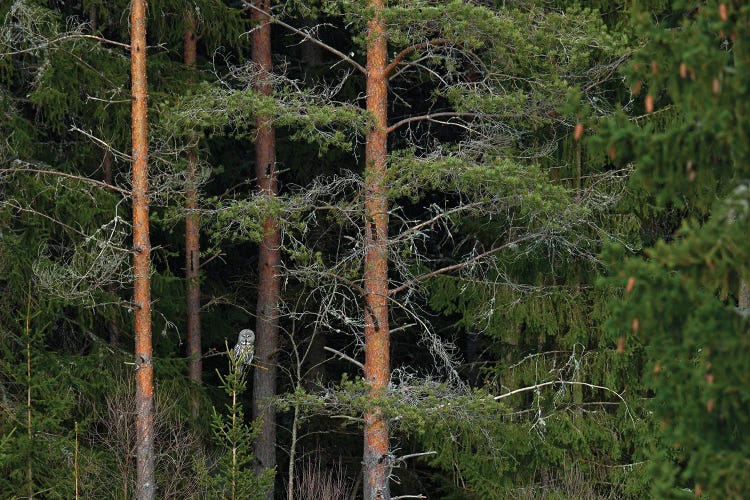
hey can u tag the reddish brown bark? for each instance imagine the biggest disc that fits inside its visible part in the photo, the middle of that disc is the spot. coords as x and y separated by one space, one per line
192 237
267 311
377 334
144 374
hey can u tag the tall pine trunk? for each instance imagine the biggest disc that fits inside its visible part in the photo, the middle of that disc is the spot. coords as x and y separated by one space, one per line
144 374
267 311
192 237
377 334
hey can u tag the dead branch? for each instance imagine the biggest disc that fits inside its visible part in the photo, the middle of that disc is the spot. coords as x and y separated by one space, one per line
66 176
344 356
413 48
459 265
65 38
431 116
565 382
306 36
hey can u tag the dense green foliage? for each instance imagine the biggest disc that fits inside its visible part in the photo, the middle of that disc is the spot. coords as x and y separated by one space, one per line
684 314
569 218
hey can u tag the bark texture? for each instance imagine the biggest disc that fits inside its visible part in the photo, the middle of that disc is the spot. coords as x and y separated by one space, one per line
144 374
192 237
267 311
377 461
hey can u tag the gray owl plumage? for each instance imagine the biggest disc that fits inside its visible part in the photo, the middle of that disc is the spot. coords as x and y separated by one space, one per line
244 350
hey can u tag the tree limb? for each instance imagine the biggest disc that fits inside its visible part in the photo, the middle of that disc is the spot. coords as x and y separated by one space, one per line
415 455
63 39
402 235
309 38
413 48
402 327
344 356
565 382
346 281
103 144
430 116
456 266
18 207
68 176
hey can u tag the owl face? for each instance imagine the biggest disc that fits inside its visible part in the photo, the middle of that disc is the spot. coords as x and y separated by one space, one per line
247 336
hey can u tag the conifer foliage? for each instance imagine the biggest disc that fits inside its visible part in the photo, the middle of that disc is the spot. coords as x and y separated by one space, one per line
683 315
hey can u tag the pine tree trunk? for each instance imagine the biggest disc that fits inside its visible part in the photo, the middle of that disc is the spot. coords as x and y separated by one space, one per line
267 326
376 460
144 375
192 238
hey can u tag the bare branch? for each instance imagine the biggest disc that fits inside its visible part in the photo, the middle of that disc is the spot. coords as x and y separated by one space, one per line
459 265
65 38
553 382
14 204
402 327
344 356
103 144
565 382
67 176
310 38
413 48
431 116
404 234
414 455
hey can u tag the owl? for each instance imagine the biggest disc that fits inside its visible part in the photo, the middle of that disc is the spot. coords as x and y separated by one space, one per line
244 350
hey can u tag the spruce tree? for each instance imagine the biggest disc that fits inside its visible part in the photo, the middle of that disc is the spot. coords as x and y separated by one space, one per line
682 318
